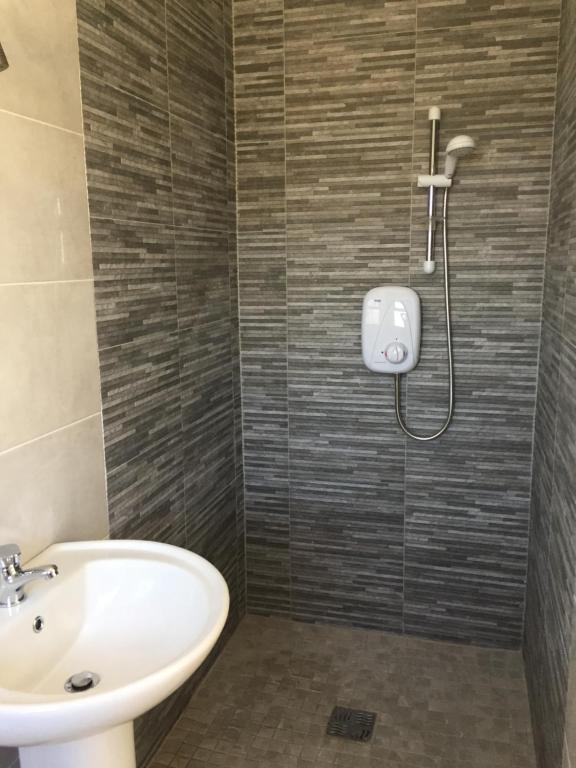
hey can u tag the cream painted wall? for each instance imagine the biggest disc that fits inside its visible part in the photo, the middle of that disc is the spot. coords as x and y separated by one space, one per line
52 479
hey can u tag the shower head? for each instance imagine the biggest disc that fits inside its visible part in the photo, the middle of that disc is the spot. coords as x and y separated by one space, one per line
3 60
458 147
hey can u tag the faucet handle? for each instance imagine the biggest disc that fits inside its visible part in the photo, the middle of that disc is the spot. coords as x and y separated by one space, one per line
10 555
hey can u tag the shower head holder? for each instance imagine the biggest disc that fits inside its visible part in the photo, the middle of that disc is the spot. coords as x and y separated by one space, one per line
437 180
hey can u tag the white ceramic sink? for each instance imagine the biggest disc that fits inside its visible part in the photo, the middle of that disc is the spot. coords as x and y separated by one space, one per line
143 616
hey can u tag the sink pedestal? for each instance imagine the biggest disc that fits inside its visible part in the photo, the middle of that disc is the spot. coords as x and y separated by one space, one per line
110 749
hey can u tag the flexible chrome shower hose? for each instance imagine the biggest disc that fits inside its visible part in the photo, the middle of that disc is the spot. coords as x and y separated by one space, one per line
448 341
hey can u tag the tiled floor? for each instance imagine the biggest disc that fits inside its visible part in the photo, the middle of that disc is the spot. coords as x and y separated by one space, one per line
267 699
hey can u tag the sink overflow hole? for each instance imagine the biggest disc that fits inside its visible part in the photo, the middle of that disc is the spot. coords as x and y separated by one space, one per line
81 681
38 624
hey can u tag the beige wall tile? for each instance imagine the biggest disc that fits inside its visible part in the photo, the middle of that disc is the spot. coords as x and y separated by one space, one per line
569 757
52 474
44 232
40 40
49 374
53 488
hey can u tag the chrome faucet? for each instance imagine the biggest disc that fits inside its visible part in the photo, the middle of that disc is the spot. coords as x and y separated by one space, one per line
13 579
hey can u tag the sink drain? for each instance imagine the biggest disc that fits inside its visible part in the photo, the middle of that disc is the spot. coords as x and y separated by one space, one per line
81 681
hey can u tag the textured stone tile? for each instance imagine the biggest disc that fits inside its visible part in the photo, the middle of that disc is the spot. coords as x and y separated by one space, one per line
550 586
562 212
467 505
263 327
336 149
348 18
341 150
124 45
271 691
437 14
264 372
199 176
545 430
262 280
461 525
160 151
565 121
232 225
259 66
127 155
142 428
358 81
229 73
207 400
135 280
358 92
346 481
489 78
135 378
267 548
196 58
211 14
562 553
267 545
160 497
569 328
335 544
211 533
203 269
261 186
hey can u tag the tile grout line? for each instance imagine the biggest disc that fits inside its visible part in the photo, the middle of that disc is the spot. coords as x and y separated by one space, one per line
232 347
79 281
50 432
405 473
178 329
93 279
164 109
539 348
161 224
239 294
71 131
287 316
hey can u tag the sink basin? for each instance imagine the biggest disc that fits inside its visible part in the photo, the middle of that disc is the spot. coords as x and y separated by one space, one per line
142 616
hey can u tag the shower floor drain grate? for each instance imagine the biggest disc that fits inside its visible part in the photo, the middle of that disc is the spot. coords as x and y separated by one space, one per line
355 724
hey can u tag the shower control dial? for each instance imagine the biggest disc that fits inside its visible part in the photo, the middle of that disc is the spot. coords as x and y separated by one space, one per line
395 353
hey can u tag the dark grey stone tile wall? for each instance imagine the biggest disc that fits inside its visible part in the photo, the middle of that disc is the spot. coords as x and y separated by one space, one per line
346 521
157 90
261 209
467 496
549 632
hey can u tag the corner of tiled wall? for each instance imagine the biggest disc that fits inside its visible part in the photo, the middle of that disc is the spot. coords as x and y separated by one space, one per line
158 109
550 625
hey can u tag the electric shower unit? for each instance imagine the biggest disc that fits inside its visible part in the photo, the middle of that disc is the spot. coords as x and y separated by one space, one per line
391 317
